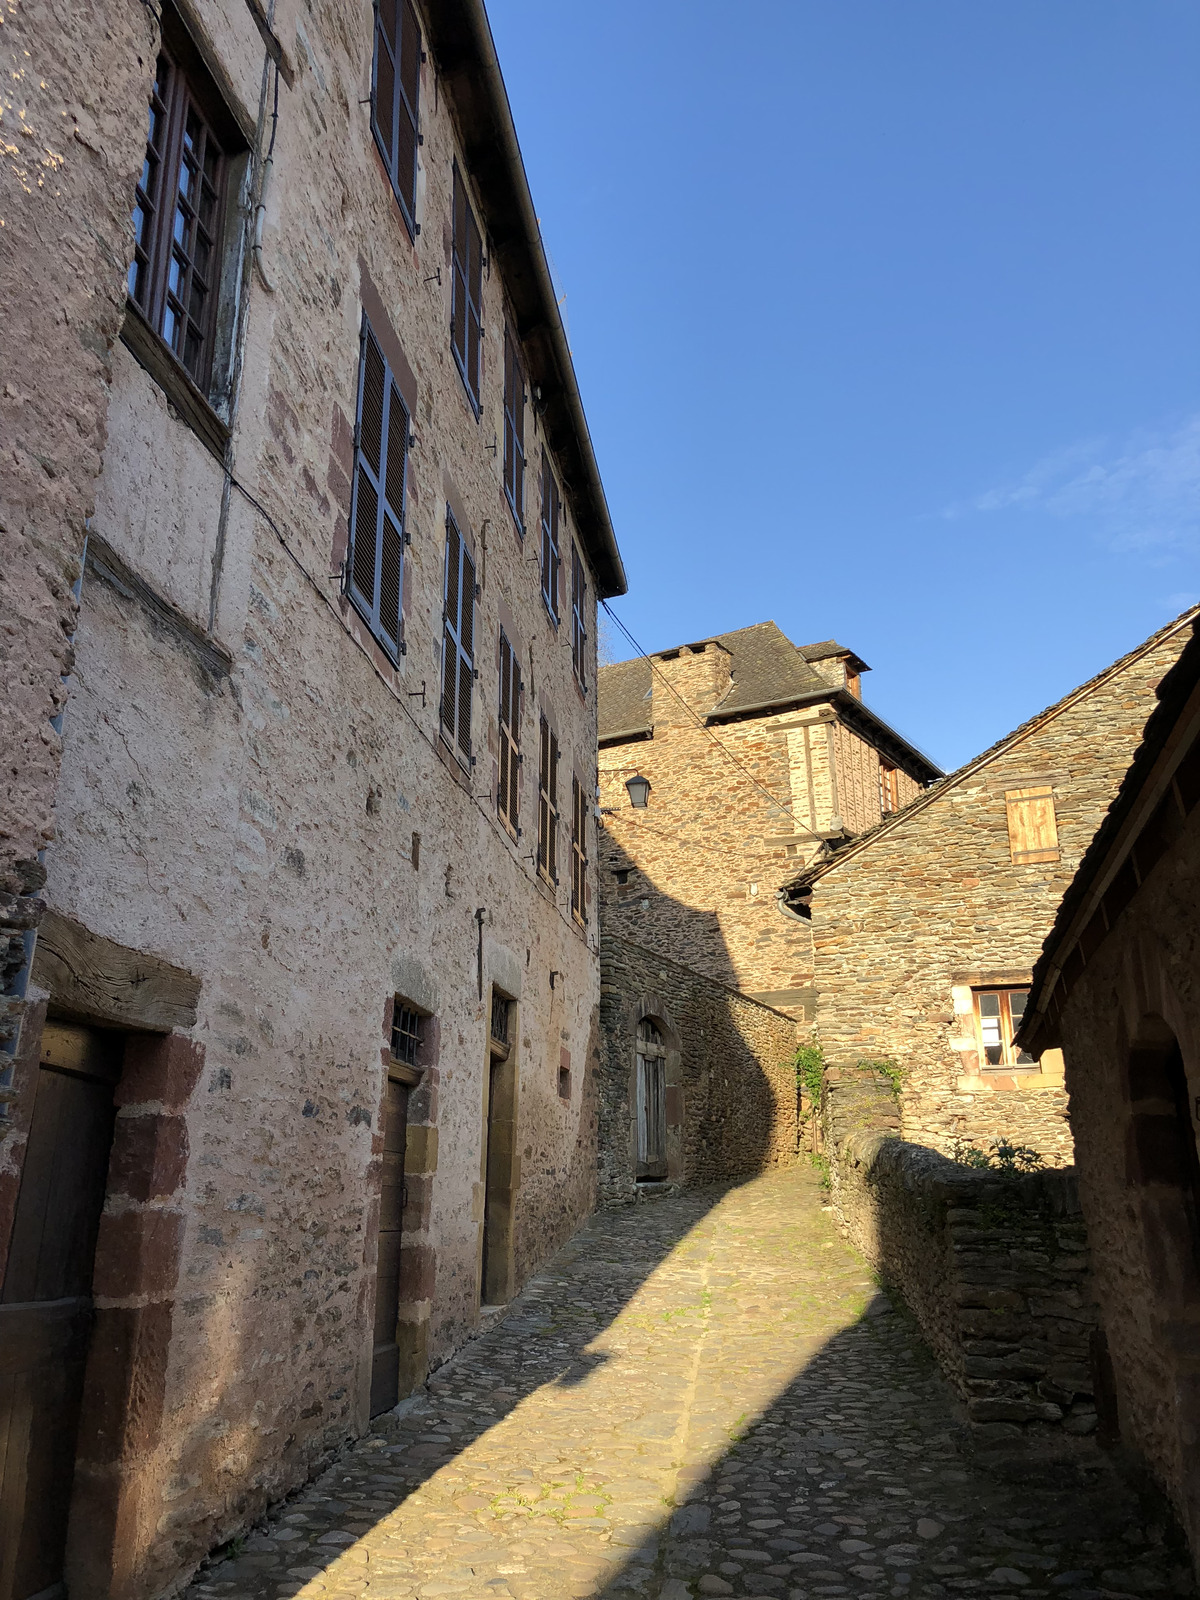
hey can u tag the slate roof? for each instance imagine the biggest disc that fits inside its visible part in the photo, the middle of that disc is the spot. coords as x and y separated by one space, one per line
768 671
817 869
828 648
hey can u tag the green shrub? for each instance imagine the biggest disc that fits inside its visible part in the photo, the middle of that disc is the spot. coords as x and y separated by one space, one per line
810 1073
1002 1156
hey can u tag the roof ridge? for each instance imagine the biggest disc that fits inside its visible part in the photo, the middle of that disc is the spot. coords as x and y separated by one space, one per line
820 869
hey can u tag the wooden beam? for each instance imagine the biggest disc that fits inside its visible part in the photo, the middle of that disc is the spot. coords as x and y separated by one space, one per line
98 980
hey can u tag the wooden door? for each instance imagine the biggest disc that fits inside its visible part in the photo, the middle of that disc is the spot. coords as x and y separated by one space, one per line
46 1304
385 1362
651 1092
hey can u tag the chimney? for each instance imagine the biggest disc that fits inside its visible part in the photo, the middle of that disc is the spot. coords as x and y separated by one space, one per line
700 676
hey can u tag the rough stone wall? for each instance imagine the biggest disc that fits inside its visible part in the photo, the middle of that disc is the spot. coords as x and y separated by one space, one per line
1139 989
731 1096
69 152
252 792
706 856
994 1268
903 930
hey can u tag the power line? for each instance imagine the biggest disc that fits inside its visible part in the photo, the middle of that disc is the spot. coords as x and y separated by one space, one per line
704 727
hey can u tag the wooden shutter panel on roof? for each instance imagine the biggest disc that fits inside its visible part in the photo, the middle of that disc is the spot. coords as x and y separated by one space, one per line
1032 825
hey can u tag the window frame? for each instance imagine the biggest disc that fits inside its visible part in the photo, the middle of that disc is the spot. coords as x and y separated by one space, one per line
508 720
550 556
515 460
548 814
889 788
376 480
579 855
412 1038
464 270
579 628
402 94
458 556
1009 1056
189 89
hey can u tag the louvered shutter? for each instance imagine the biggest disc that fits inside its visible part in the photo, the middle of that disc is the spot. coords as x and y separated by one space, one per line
466 654
394 98
552 846
449 633
409 79
376 557
514 430
543 849
383 97
458 296
508 789
550 539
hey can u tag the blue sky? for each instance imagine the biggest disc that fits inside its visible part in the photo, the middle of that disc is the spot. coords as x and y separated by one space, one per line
885 314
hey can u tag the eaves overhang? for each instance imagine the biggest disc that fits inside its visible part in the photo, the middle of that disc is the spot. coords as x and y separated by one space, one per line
460 39
872 728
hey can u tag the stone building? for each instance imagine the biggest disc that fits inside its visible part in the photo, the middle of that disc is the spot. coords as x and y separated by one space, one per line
302 1028
758 752
1117 989
925 930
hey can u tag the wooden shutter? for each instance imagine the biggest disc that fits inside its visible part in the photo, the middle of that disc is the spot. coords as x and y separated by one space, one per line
395 86
376 564
466 298
1032 825
578 848
509 785
551 511
514 430
578 617
458 640
547 856
552 843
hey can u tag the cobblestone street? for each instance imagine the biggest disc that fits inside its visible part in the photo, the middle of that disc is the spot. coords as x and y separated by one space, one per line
703 1396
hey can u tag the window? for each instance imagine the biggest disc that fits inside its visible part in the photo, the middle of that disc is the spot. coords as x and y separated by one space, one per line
508 789
551 561
499 1028
547 850
889 789
579 860
395 84
458 641
178 212
998 1014
1032 825
651 1096
466 316
514 430
375 564
578 617
407 1026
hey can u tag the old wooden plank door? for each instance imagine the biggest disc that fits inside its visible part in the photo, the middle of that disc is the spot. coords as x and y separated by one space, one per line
385 1359
46 1305
651 1091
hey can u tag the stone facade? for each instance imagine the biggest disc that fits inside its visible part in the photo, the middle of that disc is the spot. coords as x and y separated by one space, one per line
756 755
731 1099
1118 988
266 850
993 1267
914 921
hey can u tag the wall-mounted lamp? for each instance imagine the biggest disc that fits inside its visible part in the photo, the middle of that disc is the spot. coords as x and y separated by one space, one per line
639 791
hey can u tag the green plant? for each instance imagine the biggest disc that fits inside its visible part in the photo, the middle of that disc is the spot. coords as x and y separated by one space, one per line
810 1073
1002 1156
820 1163
884 1067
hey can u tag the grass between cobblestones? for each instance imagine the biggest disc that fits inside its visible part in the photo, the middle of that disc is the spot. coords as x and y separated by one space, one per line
704 1396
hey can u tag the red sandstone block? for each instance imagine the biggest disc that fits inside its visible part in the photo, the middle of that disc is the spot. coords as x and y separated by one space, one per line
159 1067
137 1252
149 1156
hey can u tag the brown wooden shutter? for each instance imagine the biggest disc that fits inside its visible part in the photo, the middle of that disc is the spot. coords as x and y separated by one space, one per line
466 656
383 98
552 845
450 618
458 294
1032 825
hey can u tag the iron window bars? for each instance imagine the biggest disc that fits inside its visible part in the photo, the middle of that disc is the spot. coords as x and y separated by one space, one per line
406 1033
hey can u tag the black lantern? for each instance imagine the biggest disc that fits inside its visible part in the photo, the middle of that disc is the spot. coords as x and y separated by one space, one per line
639 790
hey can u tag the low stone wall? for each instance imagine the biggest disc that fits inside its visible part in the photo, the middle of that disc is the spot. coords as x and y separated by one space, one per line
994 1268
731 1078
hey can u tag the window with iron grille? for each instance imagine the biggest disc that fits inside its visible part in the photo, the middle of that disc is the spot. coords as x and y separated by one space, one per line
407 1026
500 1009
179 204
578 617
579 860
395 87
466 296
508 789
547 850
551 559
458 641
375 560
514 430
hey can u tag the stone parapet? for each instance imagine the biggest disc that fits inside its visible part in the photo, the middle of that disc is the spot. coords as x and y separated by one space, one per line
993 1266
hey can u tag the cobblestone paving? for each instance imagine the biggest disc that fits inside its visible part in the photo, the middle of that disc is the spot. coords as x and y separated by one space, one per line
703 1396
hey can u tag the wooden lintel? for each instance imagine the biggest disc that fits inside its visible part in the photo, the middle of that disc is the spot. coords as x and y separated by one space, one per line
98 980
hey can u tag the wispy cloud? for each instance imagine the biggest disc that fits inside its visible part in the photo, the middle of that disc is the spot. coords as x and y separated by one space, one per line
1140 492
